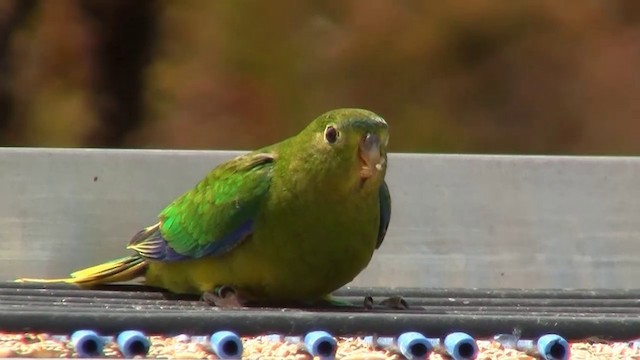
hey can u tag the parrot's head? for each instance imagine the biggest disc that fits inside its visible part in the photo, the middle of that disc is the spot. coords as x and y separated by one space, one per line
351 142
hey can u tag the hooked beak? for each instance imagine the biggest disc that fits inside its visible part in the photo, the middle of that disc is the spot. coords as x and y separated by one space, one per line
370 155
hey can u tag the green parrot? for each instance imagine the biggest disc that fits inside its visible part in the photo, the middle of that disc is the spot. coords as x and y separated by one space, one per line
293 221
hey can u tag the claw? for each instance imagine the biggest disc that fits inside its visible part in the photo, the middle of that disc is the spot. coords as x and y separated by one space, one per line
395 302
223 297
368 302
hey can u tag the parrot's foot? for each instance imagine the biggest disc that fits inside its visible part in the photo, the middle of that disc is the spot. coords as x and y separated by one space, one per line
223 297
368 302
394 302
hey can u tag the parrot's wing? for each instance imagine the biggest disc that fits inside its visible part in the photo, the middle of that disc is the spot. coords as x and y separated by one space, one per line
214 217
385 212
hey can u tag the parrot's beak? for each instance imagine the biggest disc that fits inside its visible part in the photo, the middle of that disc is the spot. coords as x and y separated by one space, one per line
370 155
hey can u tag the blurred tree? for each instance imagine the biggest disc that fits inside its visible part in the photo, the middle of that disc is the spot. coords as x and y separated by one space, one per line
536 76
12 14
124 34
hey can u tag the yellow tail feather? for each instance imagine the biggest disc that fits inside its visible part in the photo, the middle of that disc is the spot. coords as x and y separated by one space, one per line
123 269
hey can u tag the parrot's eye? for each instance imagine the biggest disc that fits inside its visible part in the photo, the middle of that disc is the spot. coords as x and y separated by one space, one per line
331 134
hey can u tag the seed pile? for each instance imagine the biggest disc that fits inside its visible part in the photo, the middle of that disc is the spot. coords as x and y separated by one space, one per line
31 345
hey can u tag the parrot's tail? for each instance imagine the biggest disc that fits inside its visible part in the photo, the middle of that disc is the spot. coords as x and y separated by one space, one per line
123 269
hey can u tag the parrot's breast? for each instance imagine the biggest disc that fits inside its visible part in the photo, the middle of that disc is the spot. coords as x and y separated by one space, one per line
311 247
307 241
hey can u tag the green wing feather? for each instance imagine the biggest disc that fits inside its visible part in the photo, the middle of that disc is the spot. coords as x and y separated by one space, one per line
215 216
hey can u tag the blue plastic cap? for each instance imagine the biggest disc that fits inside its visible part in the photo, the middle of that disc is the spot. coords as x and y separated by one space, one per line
414 345
226 344
133 343
87 343
321 344
461 346
553 347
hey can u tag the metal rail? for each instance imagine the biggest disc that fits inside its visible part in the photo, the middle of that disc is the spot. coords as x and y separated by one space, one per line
574 314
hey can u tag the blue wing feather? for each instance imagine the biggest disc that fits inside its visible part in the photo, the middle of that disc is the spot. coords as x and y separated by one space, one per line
156 247
385 212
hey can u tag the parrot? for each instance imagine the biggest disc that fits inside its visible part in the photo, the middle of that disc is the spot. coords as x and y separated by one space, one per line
293 221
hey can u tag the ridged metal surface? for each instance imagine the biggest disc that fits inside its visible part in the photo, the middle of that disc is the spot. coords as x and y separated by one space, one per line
482 313
458 220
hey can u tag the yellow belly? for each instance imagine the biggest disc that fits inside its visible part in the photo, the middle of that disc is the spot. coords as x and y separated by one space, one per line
275 268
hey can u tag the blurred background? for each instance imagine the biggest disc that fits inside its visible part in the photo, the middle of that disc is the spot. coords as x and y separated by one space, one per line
474 76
